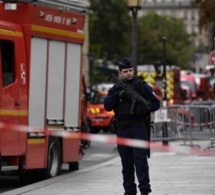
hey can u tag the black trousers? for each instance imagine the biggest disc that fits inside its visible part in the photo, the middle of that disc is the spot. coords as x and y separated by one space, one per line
134 159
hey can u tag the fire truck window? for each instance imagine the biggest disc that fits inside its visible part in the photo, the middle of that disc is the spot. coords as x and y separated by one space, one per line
8 66
99 99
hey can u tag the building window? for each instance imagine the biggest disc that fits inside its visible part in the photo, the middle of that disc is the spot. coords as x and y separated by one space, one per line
173 13
193 29
185 15
193 14
163 12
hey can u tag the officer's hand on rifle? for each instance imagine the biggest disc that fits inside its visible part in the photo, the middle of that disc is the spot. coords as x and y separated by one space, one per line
123 94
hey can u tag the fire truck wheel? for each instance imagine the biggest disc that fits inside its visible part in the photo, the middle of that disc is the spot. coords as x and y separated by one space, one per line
86 144
95 130
73 166
86 129
53 158
0 163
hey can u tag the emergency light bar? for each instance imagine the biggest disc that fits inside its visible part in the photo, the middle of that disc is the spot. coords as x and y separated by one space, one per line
19 1
68 5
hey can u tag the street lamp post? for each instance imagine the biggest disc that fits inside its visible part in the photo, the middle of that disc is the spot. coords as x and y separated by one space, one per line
164 132
157 66
134 6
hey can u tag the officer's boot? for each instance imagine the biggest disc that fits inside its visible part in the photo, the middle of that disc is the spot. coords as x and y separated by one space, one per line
144 193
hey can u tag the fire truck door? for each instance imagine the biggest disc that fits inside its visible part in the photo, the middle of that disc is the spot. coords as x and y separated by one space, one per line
10 100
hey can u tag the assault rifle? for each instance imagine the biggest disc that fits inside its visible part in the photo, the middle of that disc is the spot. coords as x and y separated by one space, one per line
135 97
132 94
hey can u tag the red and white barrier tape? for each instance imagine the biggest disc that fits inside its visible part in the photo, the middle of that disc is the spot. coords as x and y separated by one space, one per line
112 139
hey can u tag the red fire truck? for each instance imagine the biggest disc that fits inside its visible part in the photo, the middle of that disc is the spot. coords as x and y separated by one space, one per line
41 44
173 88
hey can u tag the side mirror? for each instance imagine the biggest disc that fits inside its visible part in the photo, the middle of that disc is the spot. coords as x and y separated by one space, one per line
91 95
88 97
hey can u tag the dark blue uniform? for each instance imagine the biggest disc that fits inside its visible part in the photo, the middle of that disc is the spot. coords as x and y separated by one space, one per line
133 126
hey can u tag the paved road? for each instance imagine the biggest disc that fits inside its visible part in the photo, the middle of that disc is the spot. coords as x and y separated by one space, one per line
171 173
96 154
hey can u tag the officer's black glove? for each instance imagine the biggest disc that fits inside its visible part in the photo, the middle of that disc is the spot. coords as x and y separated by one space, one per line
122 95
114 125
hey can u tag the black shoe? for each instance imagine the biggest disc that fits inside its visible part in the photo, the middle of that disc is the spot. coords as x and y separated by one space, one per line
129 194
144 193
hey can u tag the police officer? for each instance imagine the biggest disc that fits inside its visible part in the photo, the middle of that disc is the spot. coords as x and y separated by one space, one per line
131 125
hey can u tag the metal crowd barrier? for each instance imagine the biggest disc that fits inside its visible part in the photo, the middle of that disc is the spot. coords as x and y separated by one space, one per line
189 123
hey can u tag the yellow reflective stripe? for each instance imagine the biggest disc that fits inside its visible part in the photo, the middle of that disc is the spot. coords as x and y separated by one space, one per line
171 93
36 141
139 74
171 73
14 112
153 74
152 80
55 127
145 74
10 32
171 86
145 79
57 32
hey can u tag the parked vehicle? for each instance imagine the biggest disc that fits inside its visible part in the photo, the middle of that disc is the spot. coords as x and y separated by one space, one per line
199 84
41 45
157 92
189 81
205 90
100 118
173 84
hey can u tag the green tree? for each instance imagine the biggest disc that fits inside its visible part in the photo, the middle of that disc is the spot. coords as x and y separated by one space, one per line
206 11
151 29
108 28
207 16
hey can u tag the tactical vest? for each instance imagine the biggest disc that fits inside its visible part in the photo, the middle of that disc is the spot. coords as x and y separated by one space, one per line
127 107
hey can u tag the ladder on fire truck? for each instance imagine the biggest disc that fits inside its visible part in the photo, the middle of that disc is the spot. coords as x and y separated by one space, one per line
67 5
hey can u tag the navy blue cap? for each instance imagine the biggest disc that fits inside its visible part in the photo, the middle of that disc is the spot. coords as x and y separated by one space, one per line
124 64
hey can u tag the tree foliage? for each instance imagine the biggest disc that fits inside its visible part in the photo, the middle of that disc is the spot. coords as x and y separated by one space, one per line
108 28
207 16
151 30
206 12
110 35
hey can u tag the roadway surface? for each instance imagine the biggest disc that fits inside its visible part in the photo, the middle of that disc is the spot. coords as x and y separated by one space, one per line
96 154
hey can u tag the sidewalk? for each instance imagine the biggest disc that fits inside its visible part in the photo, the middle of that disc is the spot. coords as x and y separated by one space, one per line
171 173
